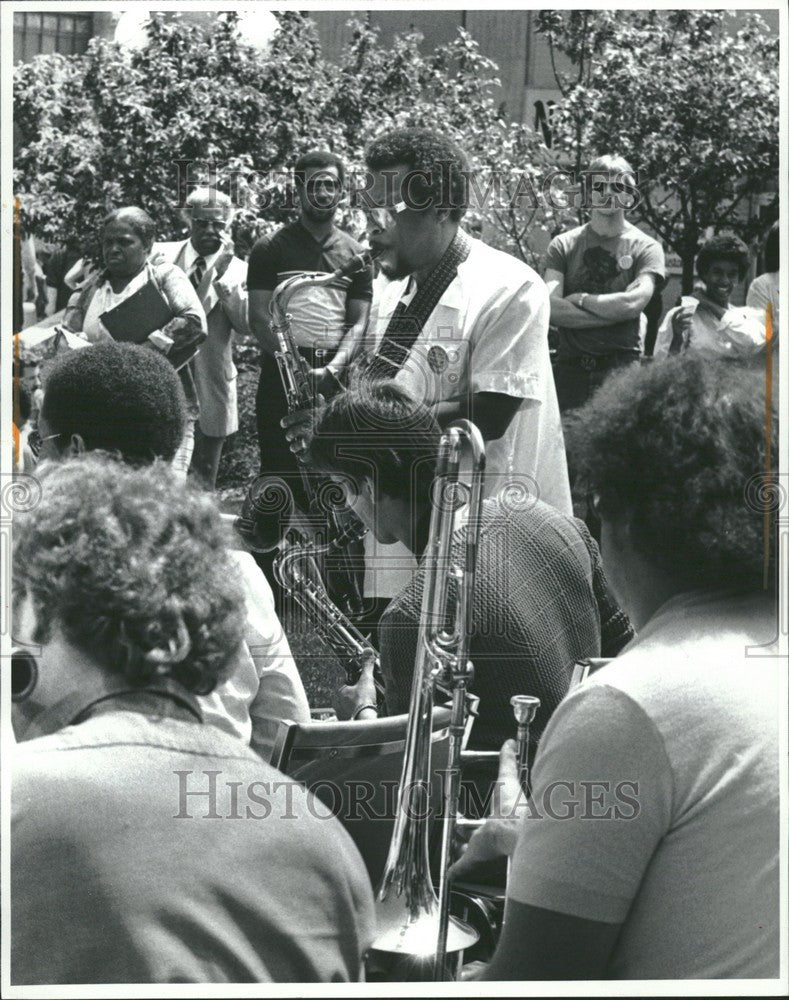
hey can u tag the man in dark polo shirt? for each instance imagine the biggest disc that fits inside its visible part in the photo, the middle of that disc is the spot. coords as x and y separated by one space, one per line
327 323
600 277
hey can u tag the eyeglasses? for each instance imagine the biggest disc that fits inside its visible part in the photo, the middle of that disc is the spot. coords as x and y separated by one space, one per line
35 440
600 187
215 223
383 218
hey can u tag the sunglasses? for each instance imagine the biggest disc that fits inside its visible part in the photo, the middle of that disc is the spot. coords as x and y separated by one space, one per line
214 223
383 218
600 187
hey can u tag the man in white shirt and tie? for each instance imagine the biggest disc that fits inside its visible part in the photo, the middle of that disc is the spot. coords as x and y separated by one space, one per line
220 280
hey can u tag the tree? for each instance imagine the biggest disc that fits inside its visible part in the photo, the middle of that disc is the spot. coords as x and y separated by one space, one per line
115 127
693 107
111 127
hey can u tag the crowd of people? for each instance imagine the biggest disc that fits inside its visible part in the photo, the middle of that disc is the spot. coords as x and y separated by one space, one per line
154 674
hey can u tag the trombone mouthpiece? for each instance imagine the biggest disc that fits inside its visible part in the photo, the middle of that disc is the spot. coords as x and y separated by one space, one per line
524 707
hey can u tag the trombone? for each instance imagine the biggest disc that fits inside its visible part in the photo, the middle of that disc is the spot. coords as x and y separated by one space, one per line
412 920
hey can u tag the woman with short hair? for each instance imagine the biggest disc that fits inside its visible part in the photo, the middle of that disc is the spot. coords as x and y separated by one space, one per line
707 323
127 241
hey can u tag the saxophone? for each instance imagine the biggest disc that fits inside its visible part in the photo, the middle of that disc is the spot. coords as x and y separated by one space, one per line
299 393
296 571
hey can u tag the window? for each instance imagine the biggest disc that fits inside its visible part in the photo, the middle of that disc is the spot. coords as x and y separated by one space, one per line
42 34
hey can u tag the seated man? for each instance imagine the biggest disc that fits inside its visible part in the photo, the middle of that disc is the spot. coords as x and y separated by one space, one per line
541 601
706 323
127 597
652 837
127 399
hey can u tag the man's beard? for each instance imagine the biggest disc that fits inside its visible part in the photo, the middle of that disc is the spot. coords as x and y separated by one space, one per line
318 214
392 265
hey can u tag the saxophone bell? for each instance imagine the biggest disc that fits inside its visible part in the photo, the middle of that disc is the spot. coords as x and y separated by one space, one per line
296 571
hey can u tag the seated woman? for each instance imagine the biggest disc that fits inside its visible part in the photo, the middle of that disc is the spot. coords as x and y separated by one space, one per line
652 838
125 593
706 323
127 241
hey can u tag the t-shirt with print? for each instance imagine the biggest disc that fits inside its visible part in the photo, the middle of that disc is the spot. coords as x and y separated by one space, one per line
602 265
318 314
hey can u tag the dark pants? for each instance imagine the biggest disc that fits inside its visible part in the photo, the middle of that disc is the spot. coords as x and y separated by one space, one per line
578 378
276 458
342 571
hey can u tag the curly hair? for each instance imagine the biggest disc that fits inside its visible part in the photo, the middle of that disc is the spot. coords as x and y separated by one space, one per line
378 427
117 397
728 248
440 167
132 565
677 447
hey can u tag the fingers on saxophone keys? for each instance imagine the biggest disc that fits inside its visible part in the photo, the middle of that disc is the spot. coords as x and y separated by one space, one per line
298 419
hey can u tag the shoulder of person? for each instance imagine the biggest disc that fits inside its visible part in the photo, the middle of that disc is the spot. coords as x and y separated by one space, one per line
517 508
271 240
169 249
639 236
568 240
571 236
251 576
166 270
510 269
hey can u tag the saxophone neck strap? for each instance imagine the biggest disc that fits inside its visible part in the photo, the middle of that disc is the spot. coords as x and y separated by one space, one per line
408 321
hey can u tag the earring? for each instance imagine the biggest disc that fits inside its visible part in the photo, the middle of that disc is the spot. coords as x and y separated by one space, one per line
24 675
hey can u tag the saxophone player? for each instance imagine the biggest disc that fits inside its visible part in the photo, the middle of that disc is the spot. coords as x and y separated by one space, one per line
328 322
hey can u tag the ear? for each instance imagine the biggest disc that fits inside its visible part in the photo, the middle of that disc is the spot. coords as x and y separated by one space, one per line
76 445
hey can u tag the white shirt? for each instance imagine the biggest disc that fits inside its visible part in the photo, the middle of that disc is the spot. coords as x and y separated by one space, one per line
105 299
488 333
263 686
739 333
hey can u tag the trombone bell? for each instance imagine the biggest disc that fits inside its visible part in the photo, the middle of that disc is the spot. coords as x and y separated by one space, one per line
402 932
